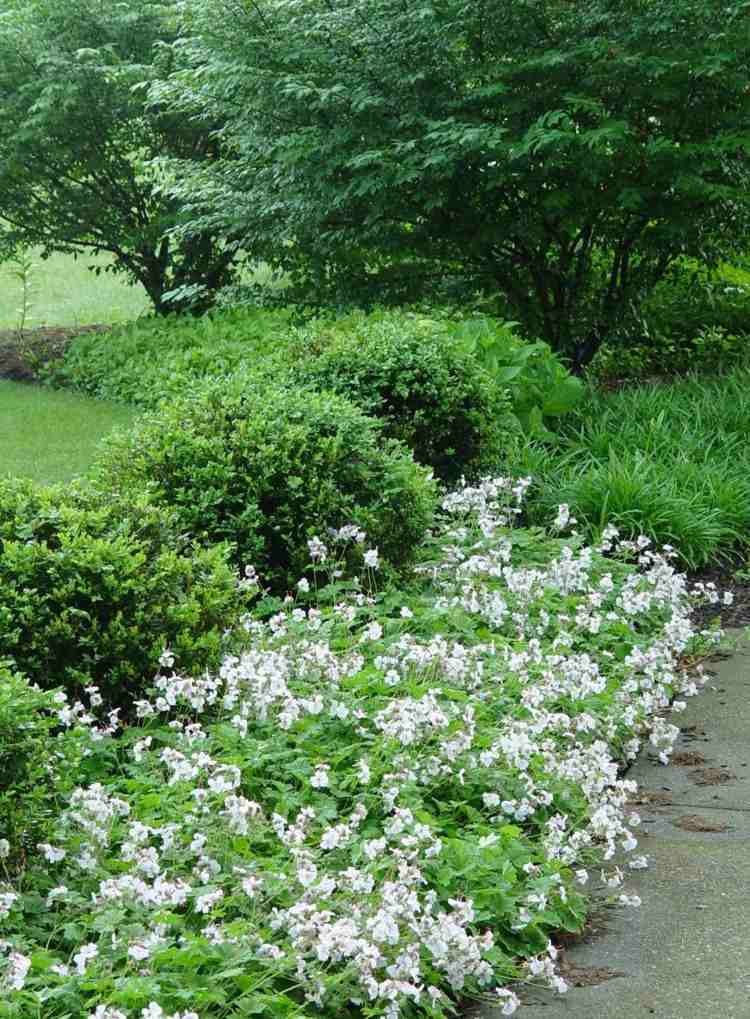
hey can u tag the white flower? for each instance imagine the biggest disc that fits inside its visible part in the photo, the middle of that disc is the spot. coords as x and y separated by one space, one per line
319 779
206 902
166 659
372 559
84 956
318 551
250 886
373 632
7 899
139 952
511 1002
4 849
563 518
51 853
19 966
638 863
303 585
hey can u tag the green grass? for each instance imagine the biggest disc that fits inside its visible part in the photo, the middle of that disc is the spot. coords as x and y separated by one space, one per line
64 292
668 461
51 436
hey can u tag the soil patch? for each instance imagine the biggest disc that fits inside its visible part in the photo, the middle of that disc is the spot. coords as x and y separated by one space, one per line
724 576
711 776
693 822
687 758
586 976
644 796
23 354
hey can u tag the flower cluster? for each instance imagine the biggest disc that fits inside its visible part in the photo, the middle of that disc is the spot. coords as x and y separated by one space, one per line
368 800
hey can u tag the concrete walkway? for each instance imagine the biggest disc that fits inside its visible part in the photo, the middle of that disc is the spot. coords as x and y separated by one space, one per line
685 954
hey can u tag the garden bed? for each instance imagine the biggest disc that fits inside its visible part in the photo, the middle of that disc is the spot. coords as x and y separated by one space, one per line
21 353
382 802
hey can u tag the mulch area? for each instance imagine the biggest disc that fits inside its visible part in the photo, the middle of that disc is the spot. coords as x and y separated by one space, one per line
736 615
21 354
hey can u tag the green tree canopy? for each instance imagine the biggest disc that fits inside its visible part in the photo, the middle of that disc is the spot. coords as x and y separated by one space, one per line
560 154
79 146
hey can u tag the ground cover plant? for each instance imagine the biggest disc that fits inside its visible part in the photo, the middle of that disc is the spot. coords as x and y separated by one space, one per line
158 359
382 801
670 461
52 436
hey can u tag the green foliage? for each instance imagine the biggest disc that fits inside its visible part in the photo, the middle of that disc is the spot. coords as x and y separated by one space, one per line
80 144
437 157
92 590
156 359
266 468
540 386
428 392
668 461
399 776
694 321
35 762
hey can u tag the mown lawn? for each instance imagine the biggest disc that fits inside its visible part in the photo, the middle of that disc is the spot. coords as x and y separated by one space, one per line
51 436
64 292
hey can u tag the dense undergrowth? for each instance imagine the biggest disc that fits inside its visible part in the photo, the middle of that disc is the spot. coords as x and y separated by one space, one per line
382 801
668 459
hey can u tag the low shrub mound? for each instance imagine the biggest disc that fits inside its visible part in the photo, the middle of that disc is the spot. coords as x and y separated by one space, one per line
94 588
429 393
266 467
392 803
156 359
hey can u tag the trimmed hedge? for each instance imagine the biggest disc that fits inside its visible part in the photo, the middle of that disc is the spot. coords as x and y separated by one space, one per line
267 467
429 393
93 588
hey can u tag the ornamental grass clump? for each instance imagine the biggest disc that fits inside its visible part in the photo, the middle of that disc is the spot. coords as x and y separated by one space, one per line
381 803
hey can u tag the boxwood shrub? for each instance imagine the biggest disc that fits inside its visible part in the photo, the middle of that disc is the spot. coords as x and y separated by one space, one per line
267 467
94 587
429 393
